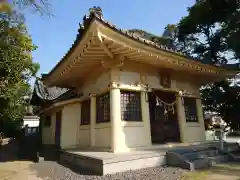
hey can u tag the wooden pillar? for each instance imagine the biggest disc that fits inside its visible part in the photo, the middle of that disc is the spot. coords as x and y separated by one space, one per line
79 125
115 118
93 117
201 118
181 118
146 117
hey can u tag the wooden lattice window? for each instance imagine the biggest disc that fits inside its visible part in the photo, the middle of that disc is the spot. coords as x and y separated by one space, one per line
85 112
190 109
103 108
131 106
47 121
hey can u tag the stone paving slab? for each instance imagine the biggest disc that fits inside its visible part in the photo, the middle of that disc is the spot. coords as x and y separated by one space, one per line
17 170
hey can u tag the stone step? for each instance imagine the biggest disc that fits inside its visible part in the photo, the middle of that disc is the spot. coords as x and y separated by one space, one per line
236 152
200 164
192 150
198 155
198 158
235 155
231 148
209 161
218 159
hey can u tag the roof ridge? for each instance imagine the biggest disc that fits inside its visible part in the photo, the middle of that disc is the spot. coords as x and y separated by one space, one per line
96 13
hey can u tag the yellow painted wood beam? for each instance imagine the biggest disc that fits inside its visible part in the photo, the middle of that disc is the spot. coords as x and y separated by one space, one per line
105 48
117 62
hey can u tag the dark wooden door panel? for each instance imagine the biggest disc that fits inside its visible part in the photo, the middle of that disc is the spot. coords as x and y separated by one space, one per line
58 129
164 126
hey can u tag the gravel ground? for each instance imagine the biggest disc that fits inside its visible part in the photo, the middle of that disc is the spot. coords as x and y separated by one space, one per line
53 171
13 169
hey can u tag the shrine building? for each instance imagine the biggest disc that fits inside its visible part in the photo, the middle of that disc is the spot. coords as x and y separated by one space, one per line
119 90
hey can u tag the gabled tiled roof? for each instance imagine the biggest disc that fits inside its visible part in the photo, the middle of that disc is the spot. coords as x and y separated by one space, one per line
95 13
48 93
42 93
70 94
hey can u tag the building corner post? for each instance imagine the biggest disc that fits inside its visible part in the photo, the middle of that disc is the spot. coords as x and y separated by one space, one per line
181 117
115 118
146 116
93 117
200 117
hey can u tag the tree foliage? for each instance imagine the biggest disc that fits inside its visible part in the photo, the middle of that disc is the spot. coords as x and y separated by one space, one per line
224 99
213 29
41 6
171 34
16 63
161 40
211 32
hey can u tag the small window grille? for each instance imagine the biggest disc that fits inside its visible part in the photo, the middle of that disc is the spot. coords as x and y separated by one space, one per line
85 112
190 109
131 106
103 108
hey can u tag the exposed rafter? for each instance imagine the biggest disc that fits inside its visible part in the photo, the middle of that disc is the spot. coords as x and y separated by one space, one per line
105 48
98 38
134 53
116 63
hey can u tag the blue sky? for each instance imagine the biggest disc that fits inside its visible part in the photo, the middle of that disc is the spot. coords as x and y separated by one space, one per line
54 35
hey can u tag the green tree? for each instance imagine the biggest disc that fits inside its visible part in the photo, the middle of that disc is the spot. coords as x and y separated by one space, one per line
170 34
41 6
211 30
224 99
16 63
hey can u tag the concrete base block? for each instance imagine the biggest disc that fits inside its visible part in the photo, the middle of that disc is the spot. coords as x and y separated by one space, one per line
114 163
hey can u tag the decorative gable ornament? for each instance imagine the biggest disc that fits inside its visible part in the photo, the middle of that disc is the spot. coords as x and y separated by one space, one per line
97 11
165 80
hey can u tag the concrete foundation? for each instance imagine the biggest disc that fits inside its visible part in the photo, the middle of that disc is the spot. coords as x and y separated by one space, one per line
102 163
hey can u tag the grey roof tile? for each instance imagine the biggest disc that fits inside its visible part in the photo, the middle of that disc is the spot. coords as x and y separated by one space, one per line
48 93
95 13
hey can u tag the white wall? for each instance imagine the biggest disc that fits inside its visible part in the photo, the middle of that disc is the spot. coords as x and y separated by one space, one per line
102 131
178 82
134 134
29 123
84 136
103 135
96 85
130 79
48 133
70 124
72 133
194 132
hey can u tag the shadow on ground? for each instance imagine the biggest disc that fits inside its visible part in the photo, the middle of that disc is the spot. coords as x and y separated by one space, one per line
27 152
58 171
9 151
19 150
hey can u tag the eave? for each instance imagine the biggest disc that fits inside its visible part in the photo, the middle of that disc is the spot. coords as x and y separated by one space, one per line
140 50
102 43
59 104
